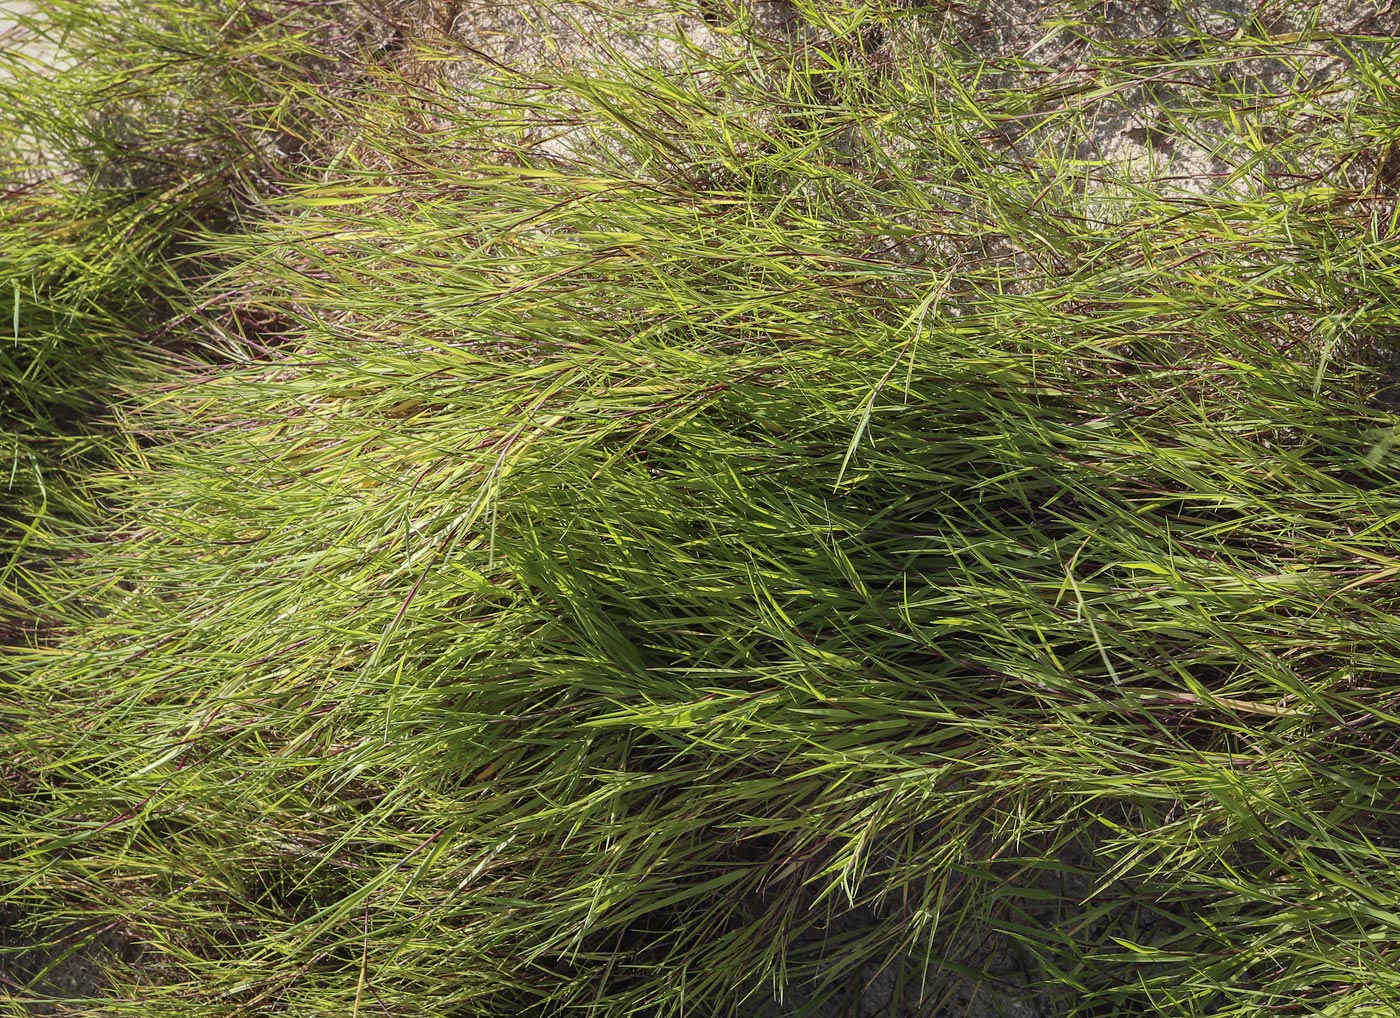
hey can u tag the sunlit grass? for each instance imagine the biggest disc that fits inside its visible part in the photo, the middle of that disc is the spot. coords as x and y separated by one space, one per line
646 545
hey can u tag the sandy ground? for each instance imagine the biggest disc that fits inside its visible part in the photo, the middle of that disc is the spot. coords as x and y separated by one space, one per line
19 43
15 37
1125 130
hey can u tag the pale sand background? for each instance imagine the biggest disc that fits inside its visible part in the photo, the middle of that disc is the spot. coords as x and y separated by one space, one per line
16 41
13 36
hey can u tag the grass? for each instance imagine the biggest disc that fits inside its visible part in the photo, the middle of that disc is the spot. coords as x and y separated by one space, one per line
653 542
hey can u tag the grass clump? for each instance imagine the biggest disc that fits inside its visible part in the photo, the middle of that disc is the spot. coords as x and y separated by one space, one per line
128 134
741 540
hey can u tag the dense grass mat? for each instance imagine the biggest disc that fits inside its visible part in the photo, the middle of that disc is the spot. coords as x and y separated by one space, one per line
663 541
